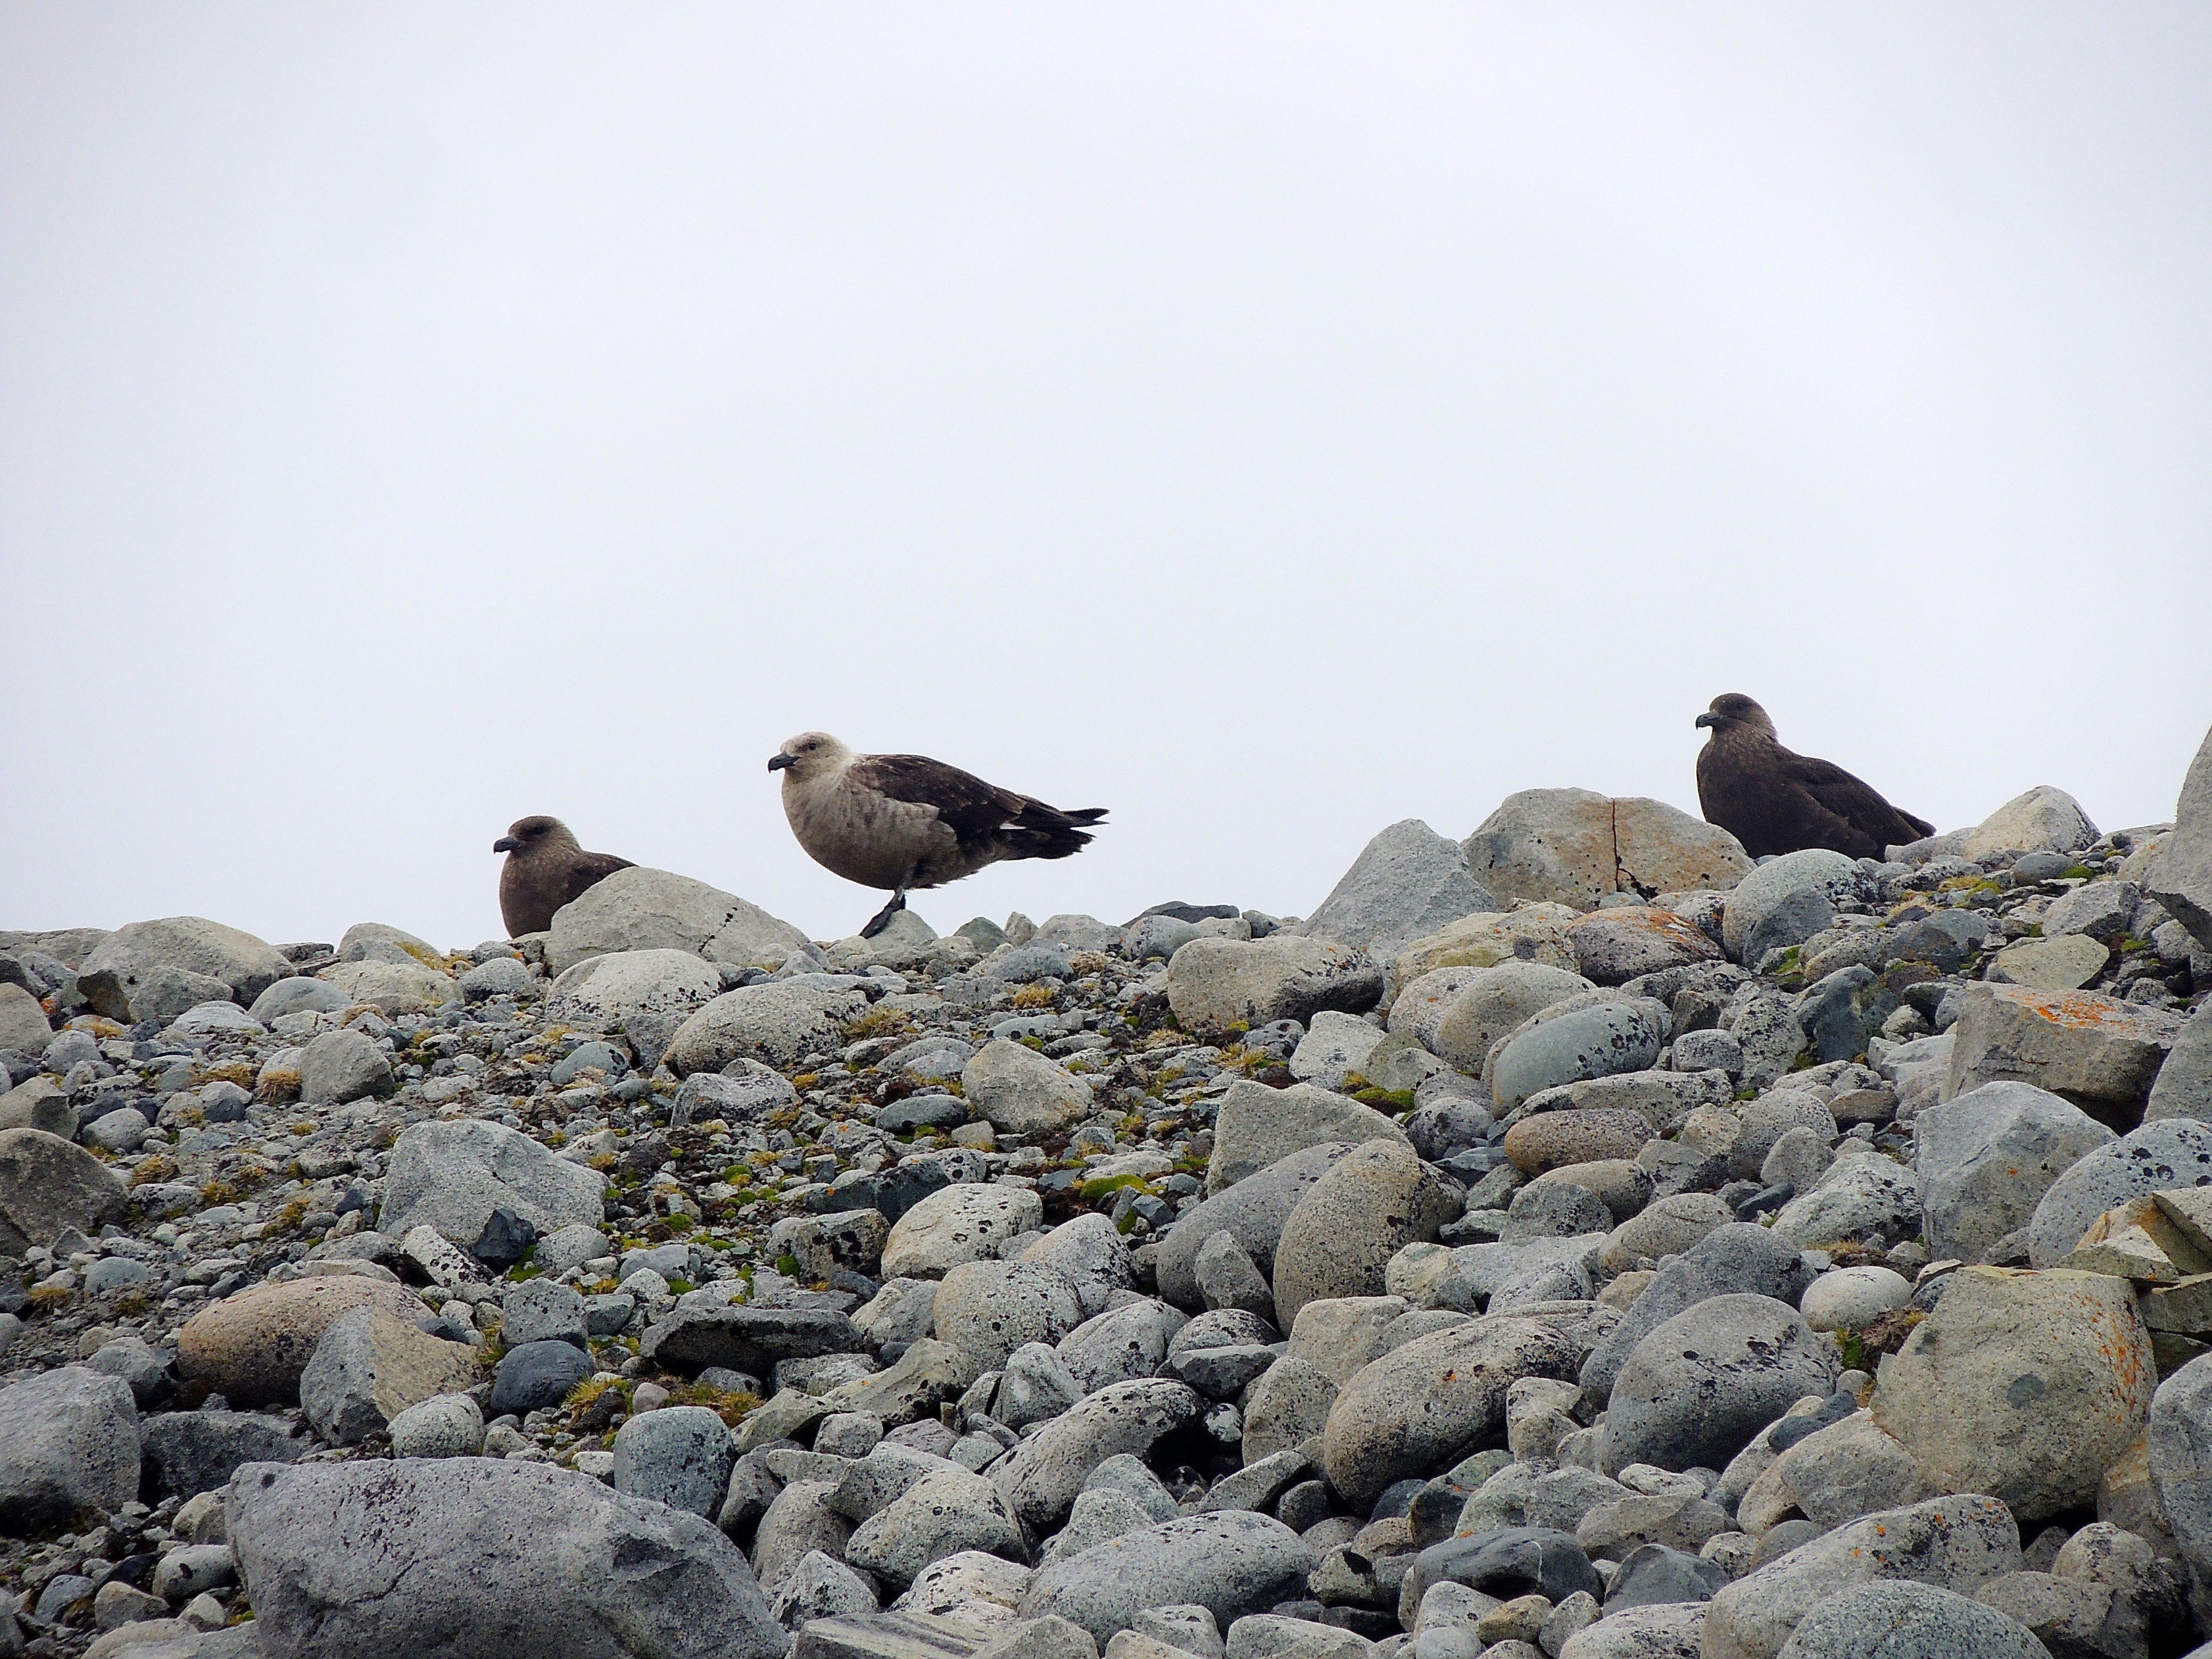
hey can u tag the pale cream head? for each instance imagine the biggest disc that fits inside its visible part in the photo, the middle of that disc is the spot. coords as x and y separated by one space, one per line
809 756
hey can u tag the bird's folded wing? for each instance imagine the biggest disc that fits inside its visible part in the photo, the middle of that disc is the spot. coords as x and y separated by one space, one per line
1852 799
964 803
587 869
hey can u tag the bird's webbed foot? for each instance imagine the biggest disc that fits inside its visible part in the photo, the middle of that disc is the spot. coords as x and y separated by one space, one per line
882 919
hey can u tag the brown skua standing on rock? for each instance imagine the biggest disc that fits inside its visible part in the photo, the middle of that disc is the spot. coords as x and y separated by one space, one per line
1775 801
899 822
544 870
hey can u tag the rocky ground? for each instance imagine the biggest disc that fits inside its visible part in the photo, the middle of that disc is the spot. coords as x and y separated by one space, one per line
1572 1244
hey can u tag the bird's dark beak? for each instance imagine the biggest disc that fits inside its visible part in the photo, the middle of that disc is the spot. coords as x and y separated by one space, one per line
507 844
779 762
1708 719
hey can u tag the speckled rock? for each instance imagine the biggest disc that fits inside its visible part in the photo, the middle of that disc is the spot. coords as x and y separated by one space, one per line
1493 1001
1424 1405
966 1223
1213 982
1231 1562
1551 1141
1598 1041
1986 1158
2096 1051
1613 946
1344 1231
1698 1387
2023 1385
2169 1152
1953 1543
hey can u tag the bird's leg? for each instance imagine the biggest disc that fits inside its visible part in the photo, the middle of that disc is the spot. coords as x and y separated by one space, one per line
882 919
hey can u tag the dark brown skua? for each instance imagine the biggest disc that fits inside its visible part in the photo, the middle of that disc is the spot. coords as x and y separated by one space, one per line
1775 801
544 870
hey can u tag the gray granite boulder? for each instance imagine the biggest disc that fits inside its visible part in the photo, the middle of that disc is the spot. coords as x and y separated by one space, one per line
69 1441
1740 1258
1986 1158
1407 882
452 1175
2170 1153
1697 1388
1231 1562
496 1558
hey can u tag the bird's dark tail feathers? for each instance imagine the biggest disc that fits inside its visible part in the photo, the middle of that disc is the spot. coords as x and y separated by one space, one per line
1046 832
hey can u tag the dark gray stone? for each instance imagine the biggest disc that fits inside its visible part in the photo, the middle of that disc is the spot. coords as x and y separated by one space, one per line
1653 1573
537 1375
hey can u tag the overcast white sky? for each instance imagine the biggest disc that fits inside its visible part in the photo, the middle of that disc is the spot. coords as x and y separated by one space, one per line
1268 422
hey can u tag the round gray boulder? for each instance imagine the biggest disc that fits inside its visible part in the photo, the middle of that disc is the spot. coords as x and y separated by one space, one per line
679 1455
1695 1391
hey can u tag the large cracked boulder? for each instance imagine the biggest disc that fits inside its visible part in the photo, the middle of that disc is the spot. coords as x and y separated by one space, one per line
481 1558
1216 982
643 909
1407 881
646 995
1574 847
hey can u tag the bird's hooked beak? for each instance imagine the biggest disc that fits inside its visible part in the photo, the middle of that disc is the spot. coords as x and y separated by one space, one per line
780 762
1708 719
507 844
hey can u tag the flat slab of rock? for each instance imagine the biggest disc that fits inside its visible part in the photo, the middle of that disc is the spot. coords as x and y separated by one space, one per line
489 1559
889 1636
2099 1052
745 1339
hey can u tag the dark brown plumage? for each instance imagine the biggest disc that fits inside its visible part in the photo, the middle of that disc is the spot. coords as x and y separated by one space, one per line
1775 801
544 870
